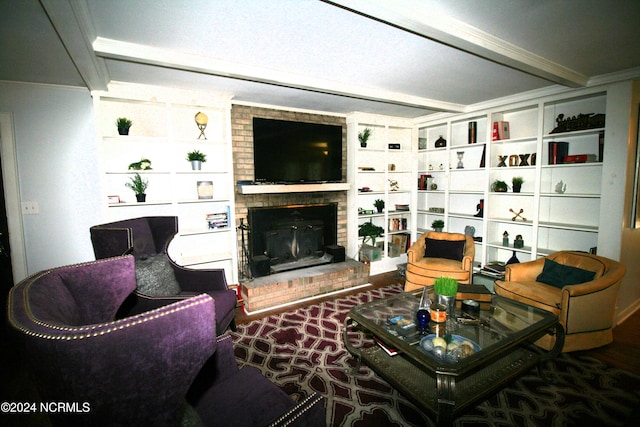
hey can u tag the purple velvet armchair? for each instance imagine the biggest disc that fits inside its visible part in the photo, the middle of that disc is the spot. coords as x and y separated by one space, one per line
147 238
162 367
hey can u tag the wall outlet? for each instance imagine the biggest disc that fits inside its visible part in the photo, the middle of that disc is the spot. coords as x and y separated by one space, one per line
30 208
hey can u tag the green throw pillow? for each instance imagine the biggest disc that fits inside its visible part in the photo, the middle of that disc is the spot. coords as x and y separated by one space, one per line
560 275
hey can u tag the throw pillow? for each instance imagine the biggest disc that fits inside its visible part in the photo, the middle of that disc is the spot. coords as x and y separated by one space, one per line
559 275
449 249
155 276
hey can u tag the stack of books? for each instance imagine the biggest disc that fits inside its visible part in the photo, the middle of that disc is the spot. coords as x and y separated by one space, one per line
494 269
477 293
218 220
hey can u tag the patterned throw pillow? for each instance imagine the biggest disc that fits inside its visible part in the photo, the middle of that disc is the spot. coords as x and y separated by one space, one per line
155 277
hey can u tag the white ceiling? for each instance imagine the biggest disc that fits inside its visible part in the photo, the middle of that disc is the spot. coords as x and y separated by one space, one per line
406 59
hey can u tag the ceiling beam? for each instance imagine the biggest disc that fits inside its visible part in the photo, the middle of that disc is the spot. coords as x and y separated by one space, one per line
72 23
416 17
148 55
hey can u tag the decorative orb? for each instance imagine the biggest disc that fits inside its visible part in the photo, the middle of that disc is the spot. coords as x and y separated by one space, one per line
201 118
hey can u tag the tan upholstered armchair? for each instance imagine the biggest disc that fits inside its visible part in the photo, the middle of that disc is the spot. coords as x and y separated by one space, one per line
437 254
585 309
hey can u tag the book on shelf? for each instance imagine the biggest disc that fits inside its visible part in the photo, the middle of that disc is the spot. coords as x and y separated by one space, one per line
218 220
557 152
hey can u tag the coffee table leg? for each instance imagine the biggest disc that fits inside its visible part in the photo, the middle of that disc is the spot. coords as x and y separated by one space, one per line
348 322
446 386
558 331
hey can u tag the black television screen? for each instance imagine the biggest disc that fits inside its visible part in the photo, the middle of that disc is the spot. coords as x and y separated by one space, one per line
296 152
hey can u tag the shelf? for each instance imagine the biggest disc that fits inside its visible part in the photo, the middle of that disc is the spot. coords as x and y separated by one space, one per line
571 195
195 232
568 226
192 260
214 200
573 133
292 188
139 204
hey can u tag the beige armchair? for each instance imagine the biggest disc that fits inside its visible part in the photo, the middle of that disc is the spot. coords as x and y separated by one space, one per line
437 254
585 309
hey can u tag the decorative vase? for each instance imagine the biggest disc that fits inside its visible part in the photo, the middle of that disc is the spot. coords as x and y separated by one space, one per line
514 259
517 187
141 197
123 131
196 165
449 302
441 142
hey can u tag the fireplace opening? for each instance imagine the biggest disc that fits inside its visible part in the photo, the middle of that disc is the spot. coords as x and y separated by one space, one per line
284 238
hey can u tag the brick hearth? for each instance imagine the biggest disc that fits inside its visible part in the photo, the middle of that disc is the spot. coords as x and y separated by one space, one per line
291 286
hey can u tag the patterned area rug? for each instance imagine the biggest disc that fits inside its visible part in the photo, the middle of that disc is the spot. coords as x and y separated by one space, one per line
302 351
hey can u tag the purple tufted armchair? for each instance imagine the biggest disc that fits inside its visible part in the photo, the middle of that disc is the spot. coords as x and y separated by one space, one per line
161 367
146 237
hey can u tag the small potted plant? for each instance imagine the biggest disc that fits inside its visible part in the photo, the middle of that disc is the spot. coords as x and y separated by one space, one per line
369 231
123 125
196 158
517 183
499 186
446 289
437 225
363 137
379 204
139 186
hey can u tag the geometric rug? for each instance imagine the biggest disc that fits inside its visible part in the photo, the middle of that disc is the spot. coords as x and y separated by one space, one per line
302 351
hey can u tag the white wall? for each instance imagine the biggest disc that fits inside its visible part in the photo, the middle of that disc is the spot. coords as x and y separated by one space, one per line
56 151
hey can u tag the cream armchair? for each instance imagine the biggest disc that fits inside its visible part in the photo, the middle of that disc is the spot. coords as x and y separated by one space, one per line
437 254
585 309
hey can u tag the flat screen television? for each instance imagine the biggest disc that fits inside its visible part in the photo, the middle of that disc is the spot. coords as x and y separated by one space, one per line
296 152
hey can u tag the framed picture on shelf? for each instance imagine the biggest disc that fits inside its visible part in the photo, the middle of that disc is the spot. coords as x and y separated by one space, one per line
205 190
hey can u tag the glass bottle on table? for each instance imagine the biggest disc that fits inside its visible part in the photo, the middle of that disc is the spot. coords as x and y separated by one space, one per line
423 313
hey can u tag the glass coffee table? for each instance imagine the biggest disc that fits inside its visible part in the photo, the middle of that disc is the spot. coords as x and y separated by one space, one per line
450 366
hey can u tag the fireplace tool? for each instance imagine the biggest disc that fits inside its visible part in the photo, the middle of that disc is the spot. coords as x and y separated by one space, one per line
244 269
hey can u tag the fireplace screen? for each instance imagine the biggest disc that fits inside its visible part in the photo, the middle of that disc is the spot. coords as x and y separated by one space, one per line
292 237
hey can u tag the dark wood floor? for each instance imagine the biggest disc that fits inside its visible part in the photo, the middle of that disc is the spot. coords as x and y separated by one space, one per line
623 352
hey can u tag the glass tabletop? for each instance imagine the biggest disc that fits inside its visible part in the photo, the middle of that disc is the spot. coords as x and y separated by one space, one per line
463 341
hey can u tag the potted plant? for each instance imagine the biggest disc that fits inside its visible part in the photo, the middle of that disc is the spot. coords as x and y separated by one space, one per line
196 158
363 137
369 230
437 225
139 186
517 183
379 204
123 125
499 186
446 289
142 165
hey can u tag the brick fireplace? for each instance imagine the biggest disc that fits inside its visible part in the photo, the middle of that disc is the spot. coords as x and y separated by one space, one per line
279 288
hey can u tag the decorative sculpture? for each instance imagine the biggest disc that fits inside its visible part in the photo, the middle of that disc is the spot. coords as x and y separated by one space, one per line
517 215
502 161
201 121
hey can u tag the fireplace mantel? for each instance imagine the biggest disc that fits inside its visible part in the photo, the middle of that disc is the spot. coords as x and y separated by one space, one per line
291 188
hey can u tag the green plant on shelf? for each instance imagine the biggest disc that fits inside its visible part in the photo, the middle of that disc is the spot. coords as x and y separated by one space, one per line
369 231
137 184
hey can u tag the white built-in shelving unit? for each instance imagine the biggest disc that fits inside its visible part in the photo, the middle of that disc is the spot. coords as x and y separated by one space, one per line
386 167
554 217
164 131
